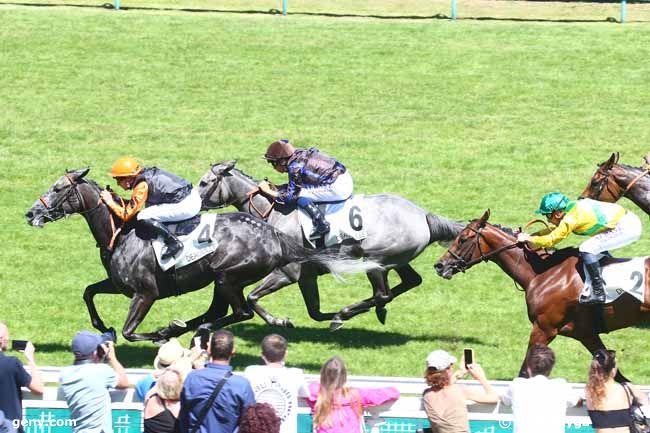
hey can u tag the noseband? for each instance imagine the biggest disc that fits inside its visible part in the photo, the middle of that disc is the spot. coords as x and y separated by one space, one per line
463 264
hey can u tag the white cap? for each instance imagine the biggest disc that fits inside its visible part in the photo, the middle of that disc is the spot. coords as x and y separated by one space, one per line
440 360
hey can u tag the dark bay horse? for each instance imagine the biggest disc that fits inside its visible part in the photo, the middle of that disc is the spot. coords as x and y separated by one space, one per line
397 232
612 180
248 249
551 282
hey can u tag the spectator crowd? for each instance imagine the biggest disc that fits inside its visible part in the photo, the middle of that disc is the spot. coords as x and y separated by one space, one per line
195 391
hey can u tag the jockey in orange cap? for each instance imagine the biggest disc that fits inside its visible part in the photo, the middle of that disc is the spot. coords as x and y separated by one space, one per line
158 197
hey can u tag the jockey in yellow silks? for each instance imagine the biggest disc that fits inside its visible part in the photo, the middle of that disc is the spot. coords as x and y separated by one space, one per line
609 226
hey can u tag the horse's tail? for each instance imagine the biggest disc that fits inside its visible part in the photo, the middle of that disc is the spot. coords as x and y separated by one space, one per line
334 261
443 230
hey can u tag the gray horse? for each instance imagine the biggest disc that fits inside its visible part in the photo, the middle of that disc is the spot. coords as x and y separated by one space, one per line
397 232
248 249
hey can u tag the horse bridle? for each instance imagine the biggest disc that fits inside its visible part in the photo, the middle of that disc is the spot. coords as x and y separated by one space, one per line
605 182
463 264
50 208
249 197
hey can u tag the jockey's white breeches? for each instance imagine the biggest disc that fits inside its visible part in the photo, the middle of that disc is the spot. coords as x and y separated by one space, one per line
340 189
170 212
627 230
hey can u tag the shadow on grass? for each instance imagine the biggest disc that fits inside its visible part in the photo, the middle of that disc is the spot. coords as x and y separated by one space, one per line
273 11
355 338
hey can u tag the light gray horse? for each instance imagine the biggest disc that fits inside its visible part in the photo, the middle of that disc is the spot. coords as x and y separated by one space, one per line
247 250
397 232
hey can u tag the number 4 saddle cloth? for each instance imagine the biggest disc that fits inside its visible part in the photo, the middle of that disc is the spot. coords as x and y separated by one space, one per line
621 276
197 244
347 221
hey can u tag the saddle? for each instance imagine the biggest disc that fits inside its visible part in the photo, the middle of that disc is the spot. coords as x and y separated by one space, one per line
185 227
620 275
346 219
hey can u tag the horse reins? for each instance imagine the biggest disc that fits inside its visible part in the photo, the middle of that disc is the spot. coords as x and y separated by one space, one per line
605 183
73 188
464 264
251 205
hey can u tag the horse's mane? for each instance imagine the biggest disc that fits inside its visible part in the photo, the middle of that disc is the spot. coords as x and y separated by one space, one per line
508 230
251 178
542 260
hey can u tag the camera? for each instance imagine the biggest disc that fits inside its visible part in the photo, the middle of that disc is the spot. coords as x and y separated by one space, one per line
105 337
18 345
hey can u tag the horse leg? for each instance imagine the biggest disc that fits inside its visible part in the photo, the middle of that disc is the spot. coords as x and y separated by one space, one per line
271 283
592 343
105 286
537 336
233 294
217 309
140 306
350 311
410 279
308 284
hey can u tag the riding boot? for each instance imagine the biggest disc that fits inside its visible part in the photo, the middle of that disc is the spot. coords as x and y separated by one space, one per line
172 244
321 227
597 295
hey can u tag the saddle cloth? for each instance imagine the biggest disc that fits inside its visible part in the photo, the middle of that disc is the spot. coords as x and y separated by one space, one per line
621 276
346 220
196 244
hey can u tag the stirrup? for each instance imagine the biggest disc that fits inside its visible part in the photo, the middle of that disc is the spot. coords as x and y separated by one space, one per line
318 232
171 250
593 299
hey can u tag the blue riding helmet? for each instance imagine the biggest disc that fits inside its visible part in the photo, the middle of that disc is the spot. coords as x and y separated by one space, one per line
551 202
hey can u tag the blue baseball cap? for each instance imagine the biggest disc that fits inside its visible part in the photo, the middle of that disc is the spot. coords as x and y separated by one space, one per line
85 343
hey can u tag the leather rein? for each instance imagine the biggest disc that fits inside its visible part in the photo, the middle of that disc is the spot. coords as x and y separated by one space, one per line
463 264
605 182
241 204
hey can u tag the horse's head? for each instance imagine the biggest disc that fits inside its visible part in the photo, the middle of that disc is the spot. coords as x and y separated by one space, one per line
63 198
211 186
602 185
465 251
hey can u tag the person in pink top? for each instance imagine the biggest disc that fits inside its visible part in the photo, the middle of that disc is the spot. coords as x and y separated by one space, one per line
338 408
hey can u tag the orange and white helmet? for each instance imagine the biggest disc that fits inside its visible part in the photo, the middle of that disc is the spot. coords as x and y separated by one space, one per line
125 166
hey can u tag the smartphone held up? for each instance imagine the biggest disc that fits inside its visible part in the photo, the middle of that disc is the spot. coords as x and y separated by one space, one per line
468 357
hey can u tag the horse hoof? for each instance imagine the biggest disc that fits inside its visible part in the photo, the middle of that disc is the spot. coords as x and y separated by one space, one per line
336 324
177 324
381 314
287 323
111 331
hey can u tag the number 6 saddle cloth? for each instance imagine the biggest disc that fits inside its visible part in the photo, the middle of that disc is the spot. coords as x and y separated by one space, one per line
620 276
347 221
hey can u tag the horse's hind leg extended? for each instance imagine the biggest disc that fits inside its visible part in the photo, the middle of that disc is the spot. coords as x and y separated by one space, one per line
271 283
379 281
104 286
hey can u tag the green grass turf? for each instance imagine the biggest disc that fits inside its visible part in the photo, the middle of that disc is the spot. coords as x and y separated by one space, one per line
458 117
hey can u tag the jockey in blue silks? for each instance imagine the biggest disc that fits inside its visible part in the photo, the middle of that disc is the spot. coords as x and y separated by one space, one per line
313 177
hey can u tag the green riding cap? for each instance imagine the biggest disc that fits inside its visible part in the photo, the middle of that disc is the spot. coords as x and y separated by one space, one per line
551 202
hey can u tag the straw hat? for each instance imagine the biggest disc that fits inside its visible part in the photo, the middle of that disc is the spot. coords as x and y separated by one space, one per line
169 353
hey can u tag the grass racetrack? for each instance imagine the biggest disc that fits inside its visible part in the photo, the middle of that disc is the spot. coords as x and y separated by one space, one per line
455 116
